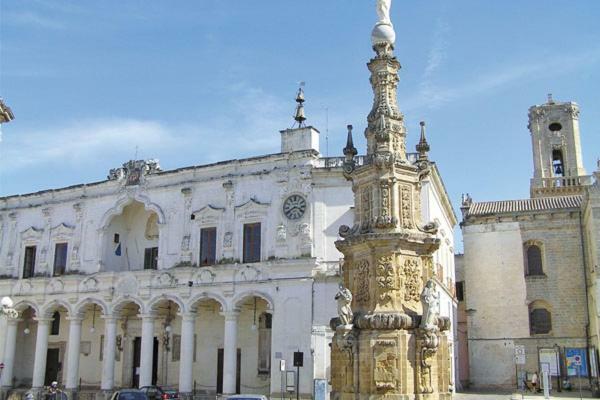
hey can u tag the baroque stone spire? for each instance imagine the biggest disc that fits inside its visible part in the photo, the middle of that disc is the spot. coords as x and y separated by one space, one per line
389 338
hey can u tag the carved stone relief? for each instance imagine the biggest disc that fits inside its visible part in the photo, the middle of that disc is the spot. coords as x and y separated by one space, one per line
127 285
361 282
164 279
412 280
386 365
89 285
405 207
205 275
386 279
228 240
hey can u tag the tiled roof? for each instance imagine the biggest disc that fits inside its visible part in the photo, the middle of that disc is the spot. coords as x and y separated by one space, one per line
511 206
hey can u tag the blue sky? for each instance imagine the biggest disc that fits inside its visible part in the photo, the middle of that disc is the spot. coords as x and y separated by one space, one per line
192 82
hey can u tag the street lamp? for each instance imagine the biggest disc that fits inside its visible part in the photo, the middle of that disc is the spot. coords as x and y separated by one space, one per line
7 309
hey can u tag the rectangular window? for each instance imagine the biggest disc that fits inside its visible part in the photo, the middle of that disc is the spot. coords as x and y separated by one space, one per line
208 246
460 291
60 259
29 263
251 243
151 258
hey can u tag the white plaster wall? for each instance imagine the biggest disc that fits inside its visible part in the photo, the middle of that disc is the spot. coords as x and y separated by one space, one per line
493 259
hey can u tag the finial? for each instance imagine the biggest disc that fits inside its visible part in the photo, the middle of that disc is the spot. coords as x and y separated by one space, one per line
423 146
550 99
350 151
299 116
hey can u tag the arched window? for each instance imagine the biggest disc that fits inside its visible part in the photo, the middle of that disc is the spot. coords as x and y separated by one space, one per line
540 320
533 264
55 327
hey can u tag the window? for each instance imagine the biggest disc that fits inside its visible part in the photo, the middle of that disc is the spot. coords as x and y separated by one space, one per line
251 243
540 321
208 246
151 258
55 327
460 291
29 263
60 259
533 254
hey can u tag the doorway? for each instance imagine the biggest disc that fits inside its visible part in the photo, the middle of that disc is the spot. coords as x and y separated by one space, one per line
238 365
52 366
137 351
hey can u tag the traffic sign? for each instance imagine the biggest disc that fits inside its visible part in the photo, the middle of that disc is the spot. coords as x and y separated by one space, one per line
520 359
577 360
520 350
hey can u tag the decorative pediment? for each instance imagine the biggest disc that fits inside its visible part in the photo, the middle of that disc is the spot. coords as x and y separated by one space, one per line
133 172
56 286
89 285
31 233
24 287
62 230
204 276
127 285
208 214
248 273
252 208
164 280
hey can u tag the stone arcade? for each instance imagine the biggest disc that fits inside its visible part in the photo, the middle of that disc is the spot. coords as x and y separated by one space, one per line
391 342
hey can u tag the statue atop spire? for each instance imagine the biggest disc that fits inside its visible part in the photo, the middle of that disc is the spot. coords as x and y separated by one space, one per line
383 32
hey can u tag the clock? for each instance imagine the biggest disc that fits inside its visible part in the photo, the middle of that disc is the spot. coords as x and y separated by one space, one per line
294 206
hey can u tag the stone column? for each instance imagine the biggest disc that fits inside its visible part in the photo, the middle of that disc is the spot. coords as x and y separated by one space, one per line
109 353
230 351
9 352
41 352
186 361
73 353
147 349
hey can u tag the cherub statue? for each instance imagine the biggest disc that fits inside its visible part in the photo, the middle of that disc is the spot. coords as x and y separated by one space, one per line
431 306
344 300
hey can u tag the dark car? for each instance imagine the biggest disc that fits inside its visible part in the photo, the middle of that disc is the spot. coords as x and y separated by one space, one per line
129 394
160 393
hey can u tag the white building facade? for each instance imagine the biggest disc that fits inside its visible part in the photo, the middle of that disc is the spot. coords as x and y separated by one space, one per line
203 278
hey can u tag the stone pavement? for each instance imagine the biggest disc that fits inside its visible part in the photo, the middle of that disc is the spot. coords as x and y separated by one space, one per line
526 396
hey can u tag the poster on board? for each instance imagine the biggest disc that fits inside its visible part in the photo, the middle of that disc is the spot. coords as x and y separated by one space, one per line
550 358
574 357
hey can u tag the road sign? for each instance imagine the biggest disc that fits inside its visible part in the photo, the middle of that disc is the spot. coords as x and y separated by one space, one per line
282 365
520 359
577 360
520 350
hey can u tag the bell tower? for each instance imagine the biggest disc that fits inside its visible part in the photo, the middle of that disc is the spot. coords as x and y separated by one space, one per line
389 340
556 145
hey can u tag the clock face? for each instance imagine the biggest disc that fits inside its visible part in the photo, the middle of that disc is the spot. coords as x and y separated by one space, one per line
294 206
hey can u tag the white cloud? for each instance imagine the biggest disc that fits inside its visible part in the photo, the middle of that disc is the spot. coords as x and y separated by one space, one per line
433 96
31 20
246 126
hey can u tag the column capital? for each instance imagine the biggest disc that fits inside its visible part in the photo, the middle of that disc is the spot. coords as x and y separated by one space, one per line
110 318
231 315
75 319
188 316
148 316
43 320
13 321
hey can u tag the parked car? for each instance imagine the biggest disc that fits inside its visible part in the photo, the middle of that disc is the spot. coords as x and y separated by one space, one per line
247 397
160 393
129 394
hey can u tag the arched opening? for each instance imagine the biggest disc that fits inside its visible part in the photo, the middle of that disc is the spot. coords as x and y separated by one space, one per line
128 345
25 348
540 319
208 345
167 334
558 167
131 240
534 265
254 344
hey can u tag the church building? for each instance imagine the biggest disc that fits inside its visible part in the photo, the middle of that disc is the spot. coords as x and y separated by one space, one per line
530 267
